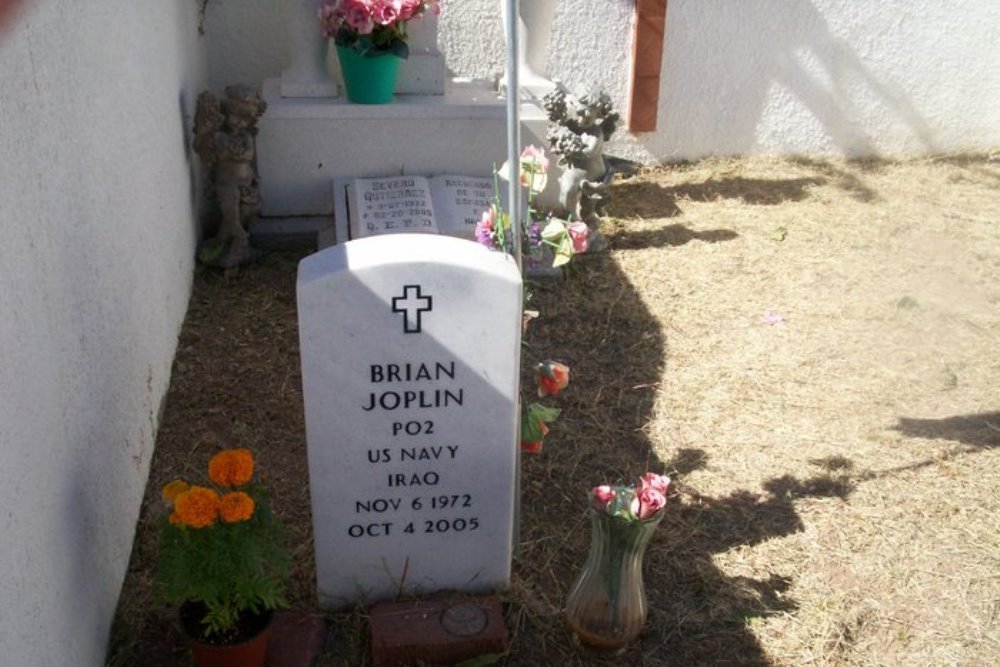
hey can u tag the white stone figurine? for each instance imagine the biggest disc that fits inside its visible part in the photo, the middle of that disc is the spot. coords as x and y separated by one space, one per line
534 24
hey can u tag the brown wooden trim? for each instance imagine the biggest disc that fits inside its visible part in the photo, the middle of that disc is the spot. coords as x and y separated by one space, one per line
647 57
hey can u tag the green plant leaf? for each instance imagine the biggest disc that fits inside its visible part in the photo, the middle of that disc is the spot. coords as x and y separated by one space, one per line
533 418
400 49
211 252
546 414
564 253
227 567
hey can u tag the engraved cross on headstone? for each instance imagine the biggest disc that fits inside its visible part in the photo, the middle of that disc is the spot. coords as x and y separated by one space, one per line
412 304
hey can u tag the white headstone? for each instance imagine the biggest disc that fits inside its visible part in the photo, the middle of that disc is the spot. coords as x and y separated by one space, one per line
410 347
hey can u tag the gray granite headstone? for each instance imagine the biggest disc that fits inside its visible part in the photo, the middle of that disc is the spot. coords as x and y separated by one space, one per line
410 348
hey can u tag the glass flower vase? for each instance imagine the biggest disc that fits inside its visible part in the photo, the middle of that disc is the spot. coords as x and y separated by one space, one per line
606 608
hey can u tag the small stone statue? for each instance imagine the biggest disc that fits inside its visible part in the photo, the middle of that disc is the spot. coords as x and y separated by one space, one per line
224 140
579 126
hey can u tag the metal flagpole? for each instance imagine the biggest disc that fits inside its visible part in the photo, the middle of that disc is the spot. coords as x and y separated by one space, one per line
513 129
514 207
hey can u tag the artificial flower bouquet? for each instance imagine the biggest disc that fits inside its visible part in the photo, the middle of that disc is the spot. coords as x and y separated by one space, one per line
221 549
607 608
631 503
370 27
495 231
564 238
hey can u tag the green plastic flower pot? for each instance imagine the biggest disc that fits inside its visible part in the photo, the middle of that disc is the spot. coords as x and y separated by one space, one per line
368 79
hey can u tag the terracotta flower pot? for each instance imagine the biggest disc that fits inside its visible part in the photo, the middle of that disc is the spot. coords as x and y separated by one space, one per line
248 647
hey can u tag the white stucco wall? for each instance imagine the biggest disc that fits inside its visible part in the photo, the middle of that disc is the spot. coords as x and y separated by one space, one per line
854 77
98 234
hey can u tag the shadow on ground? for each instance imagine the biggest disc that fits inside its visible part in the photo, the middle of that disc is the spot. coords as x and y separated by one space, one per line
671 235
978 430
597 323
236 378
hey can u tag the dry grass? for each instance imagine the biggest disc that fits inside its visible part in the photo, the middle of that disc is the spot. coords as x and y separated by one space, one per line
837 470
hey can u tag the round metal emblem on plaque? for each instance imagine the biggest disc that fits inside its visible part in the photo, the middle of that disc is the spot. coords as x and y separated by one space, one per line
464 619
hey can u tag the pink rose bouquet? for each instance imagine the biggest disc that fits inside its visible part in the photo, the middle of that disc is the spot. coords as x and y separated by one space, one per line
630 503
372 26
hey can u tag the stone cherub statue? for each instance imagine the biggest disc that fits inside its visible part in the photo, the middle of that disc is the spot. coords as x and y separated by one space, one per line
224 140
579 126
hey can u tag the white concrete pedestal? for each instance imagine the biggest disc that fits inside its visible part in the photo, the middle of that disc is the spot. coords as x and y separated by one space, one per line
305 143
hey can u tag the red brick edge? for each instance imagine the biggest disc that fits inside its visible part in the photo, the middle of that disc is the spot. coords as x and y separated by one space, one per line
406 632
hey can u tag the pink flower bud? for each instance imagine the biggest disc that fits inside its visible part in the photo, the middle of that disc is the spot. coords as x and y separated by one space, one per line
579 234
552 378
386 12
604 494
658 482
648 502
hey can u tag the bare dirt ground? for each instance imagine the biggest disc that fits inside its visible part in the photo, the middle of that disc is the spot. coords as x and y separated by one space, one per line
810 348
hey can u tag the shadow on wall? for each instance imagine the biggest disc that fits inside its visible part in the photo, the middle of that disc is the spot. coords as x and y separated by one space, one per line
735 64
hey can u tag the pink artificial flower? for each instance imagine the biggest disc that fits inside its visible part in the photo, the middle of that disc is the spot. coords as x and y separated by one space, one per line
534 166
604 494
386 12
484 228
408 9
648 501
358 15
579 234
656 482
772 318
330 18
535 155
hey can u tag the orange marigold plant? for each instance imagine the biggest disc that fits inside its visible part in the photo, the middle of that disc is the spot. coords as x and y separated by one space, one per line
197 507
222 550
174 489
231 467
235 507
